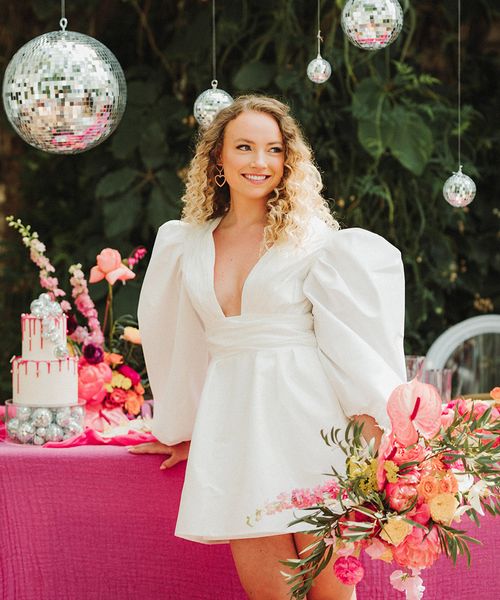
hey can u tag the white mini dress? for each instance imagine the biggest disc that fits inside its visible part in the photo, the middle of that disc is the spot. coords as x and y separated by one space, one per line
319 339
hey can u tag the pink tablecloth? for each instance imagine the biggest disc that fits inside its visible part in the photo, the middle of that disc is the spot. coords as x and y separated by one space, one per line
96 523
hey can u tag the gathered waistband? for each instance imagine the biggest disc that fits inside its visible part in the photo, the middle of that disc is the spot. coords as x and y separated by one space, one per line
259 332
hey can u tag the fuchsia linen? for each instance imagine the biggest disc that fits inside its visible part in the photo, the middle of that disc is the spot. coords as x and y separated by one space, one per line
95 522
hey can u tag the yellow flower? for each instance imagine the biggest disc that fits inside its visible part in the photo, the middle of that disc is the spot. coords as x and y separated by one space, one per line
132 335
443 508
119 380
391 469
395 530
354 468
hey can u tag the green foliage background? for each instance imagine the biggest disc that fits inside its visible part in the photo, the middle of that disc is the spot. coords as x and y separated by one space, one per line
383 130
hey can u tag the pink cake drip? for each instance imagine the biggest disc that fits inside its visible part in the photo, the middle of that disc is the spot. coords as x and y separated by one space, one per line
70 362
32 327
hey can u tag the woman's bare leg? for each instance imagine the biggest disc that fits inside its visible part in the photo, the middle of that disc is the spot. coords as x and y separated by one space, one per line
326 585
258 566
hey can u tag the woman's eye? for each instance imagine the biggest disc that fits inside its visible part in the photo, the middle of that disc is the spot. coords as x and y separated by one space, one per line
276 149
243 147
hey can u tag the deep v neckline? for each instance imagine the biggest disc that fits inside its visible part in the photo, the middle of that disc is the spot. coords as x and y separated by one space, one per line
211 272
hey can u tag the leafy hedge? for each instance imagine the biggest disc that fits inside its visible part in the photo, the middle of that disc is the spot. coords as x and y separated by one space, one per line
383 129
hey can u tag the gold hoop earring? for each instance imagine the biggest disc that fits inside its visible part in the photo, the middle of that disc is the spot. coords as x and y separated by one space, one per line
220 178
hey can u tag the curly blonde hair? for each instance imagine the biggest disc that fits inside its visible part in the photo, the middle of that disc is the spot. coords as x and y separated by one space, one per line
291 205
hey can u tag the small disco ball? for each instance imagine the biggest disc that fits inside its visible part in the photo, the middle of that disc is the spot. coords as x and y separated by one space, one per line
372 24
209 103
459 189
319 70
64 92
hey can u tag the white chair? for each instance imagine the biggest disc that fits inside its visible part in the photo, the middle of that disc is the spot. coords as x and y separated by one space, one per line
472 350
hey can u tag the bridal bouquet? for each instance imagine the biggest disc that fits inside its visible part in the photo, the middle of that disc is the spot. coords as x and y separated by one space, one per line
112 376
402 504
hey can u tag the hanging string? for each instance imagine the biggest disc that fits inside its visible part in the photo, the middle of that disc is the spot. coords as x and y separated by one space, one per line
459 91
319 32
214 75
64 21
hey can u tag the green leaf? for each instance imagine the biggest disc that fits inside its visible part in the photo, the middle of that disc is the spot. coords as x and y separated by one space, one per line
115 182
413 144
159 209
153 147
120 214
172 186
254 75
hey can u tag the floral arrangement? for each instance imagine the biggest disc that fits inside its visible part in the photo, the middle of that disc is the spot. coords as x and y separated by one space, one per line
401 504
112 377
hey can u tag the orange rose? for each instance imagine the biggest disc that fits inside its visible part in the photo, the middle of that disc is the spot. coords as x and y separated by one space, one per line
139 389
133 403
428 487
113 359
448 484
495 393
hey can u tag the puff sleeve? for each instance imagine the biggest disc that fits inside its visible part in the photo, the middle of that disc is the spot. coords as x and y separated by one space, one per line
173 338
356 287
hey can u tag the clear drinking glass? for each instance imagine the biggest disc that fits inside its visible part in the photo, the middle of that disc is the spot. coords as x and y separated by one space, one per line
440 379
414 366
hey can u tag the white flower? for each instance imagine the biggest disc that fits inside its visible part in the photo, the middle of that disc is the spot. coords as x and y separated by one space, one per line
477 491
465 480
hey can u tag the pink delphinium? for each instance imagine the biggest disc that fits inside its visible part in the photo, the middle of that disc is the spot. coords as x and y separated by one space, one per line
138 254
348 570
86 307
37 255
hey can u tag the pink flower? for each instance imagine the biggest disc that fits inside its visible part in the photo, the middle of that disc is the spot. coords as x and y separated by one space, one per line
447 417
418 550
400 495
80 334
83 303
410 584
420 513
415 453
414 408
348 570
110 266
117 397
65 305
127 371
378 550
91 381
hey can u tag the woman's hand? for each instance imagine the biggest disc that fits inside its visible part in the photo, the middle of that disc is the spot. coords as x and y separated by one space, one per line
176 453
370 429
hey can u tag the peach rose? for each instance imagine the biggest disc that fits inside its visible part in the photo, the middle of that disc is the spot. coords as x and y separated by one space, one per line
132 335
428 487
400 495
415 453
448 484
443 508
91 382
113 359
418 550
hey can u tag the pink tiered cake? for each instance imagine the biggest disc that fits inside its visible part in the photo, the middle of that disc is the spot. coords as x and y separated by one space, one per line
39 378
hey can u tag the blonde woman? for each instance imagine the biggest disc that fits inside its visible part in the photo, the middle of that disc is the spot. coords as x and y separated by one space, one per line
263 323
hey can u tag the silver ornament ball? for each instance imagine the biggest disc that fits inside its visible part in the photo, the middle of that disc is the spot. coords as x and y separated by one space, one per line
319 70
209 103
77 413
55 309
64 92
13 426
23 413
25 433
41 432
54 433
37 309
41 417
61 351
45 298
55 337
63 416
38 441
73 428
459 189
372 24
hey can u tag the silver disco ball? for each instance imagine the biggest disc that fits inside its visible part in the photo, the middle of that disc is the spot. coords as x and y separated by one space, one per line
64 92
459 189
209 103
372 24
319 70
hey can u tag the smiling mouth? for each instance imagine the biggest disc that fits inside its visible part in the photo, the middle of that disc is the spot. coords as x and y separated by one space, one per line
256 178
